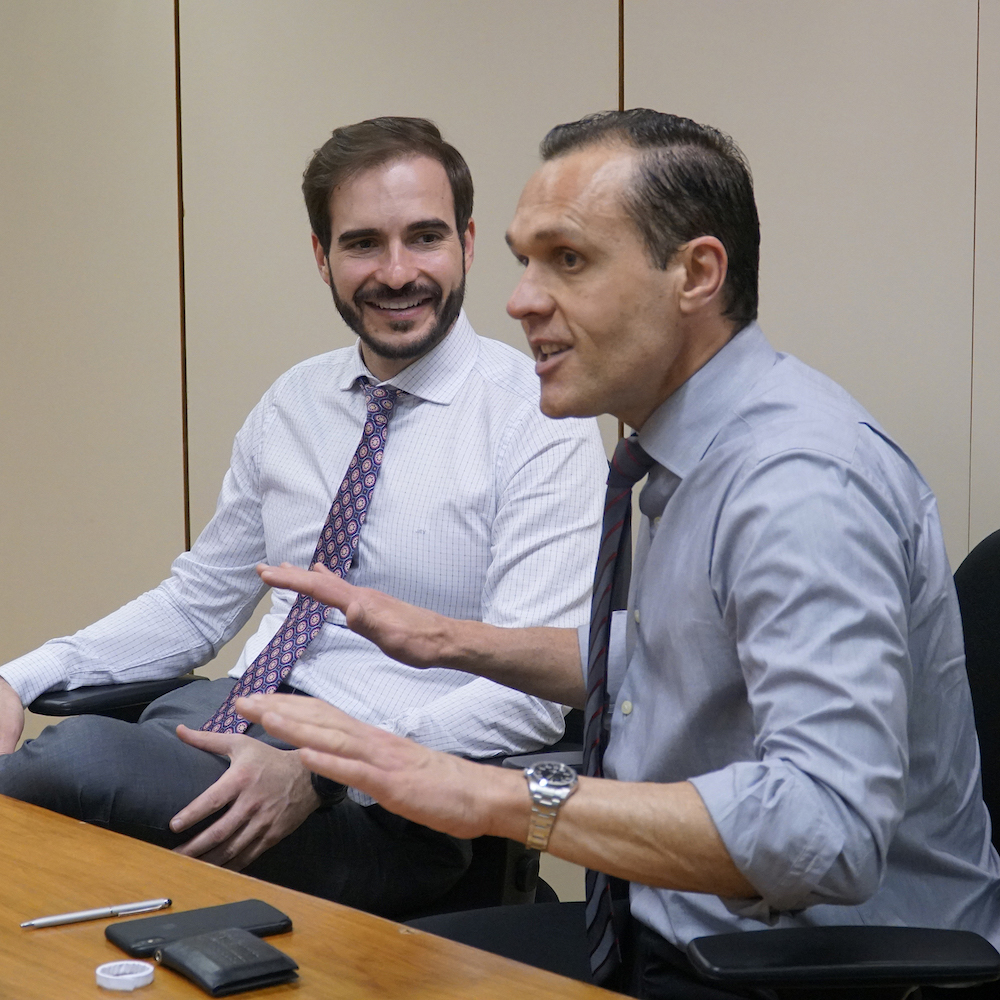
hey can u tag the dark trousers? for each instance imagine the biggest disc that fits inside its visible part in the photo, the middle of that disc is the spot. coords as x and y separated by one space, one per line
134 777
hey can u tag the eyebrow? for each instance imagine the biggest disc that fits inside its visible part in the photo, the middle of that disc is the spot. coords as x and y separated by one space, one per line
551 235
437 225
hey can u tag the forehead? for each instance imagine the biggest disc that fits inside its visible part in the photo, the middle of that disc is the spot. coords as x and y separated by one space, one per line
580 193
393 194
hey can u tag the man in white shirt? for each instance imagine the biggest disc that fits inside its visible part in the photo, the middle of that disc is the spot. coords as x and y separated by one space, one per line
483 509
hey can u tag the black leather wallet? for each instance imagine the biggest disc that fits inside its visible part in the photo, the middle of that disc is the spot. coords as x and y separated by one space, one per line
227 961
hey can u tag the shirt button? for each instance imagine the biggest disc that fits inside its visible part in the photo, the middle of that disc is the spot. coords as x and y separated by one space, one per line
656 521
635 614
626 708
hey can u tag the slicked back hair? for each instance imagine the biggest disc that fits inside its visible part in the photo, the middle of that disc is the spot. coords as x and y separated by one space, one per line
371 143
691 180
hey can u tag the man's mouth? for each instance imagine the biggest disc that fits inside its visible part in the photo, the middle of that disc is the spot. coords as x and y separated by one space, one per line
400 305
546 351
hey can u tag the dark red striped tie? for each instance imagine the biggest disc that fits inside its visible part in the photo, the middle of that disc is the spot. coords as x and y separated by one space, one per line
614 564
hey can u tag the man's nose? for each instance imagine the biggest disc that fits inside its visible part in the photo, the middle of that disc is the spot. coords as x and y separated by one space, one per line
529 298
398 267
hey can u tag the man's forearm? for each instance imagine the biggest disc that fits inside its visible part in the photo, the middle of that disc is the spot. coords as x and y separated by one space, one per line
655 834
544 662
541 661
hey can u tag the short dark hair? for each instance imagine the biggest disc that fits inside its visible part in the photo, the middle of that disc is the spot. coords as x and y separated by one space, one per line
370 143
691 180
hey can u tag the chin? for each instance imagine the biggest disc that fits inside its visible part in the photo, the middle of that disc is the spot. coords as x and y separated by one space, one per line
560 408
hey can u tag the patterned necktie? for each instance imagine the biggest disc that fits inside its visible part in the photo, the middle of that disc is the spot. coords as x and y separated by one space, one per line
629 464
337 544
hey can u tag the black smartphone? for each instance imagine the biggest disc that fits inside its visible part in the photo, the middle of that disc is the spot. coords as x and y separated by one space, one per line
143 936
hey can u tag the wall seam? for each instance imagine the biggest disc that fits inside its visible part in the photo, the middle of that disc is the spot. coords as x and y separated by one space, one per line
621 107
182 291
975 220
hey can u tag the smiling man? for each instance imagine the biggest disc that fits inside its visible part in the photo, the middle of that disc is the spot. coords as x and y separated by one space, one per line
459 496
784 702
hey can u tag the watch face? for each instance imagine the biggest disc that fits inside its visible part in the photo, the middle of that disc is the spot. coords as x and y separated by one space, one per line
554 774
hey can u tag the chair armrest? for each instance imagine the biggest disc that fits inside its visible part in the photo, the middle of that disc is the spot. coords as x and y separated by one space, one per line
116 700
846 957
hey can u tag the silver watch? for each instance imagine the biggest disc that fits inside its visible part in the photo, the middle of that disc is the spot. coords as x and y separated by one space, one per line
550 784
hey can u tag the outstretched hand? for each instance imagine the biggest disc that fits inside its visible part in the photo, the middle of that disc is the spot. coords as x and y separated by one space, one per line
436 789
541 661
268 792
412 635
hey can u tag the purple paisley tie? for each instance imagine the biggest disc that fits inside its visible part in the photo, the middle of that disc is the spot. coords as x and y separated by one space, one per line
337 545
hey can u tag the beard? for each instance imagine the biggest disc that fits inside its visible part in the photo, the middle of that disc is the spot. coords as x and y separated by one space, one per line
445 312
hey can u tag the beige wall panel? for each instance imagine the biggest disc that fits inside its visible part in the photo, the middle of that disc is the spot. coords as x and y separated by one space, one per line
264 83
858 119
985 506
90 454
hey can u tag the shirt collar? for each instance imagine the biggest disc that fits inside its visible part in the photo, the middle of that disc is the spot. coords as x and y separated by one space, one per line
680 430
435 377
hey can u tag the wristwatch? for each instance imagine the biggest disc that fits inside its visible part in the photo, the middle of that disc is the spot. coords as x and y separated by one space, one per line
550 784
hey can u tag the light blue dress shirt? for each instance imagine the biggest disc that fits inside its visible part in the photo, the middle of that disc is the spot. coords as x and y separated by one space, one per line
793 646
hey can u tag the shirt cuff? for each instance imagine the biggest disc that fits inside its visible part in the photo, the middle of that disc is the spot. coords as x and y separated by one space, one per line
34 673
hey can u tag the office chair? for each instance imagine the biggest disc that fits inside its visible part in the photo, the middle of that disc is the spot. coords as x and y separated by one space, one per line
977 581
814 962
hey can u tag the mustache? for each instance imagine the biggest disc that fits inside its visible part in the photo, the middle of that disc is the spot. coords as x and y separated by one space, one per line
380 293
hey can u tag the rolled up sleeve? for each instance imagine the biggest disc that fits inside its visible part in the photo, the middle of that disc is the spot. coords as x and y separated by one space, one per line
814 589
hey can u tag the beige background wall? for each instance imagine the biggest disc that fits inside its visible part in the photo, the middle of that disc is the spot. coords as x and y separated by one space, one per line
858 119
876 177
91 503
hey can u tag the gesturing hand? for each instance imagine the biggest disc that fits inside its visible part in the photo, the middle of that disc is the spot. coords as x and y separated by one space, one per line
268 792
412 635
439 790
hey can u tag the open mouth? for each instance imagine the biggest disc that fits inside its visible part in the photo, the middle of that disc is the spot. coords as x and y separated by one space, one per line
401 305
546 351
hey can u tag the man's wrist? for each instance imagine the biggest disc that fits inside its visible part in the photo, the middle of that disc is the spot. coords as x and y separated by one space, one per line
329 793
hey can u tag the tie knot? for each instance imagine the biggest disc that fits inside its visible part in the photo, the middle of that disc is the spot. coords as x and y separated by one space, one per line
629 463
380 398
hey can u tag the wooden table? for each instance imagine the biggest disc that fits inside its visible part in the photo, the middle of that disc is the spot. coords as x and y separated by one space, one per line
51 864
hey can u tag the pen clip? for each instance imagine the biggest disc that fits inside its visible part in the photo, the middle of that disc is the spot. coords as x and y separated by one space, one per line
127 911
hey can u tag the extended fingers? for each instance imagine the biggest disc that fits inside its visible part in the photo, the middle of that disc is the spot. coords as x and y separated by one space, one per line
316 582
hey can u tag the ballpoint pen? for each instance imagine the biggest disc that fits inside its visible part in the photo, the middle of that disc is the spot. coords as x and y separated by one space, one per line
121 910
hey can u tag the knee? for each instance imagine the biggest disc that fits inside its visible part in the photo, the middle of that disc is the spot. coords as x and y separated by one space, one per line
60 769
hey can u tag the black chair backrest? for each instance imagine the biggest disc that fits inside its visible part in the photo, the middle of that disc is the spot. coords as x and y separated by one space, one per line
978 583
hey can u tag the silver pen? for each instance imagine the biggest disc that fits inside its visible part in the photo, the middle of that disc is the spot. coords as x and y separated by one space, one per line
121 910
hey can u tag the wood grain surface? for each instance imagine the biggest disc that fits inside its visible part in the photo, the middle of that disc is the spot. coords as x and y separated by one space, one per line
52 864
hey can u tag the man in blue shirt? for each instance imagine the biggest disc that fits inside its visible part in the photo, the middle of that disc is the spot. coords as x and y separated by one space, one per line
789 718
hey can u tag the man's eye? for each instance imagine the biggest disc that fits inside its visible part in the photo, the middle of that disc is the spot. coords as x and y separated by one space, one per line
429 239
570 259
363 245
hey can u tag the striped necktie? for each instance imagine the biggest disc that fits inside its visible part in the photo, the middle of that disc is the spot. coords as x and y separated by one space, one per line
337 545
611 580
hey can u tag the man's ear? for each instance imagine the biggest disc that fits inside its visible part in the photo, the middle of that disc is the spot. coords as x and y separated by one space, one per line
470 244
706 264
321 259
